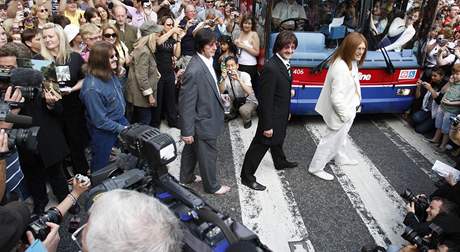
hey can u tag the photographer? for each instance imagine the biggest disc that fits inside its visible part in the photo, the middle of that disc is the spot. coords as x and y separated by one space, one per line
52 239
44 164
449 190
114 225
14 216
439 213
238 86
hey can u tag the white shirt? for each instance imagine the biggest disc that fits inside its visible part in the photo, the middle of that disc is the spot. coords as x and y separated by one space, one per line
284 10
397 26
209 65
239 92
285 62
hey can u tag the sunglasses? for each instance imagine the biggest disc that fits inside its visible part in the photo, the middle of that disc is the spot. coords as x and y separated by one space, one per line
109 35
43 10
114 56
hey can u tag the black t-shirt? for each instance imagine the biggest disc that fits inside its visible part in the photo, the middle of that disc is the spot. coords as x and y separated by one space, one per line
163 56
68 75
187 42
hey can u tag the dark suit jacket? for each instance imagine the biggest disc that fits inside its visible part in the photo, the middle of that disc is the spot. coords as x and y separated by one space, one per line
201 112
274 101
52 146
129 36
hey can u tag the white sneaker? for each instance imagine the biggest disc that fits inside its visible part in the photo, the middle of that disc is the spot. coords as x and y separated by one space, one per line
346 162
323 175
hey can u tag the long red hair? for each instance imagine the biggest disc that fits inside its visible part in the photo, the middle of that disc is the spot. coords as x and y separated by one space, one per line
347 48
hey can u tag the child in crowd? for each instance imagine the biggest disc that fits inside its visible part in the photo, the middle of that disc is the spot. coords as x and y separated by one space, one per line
227 48
423 119
450 107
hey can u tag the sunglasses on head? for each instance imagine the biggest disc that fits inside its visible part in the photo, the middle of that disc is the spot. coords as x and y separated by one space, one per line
108 35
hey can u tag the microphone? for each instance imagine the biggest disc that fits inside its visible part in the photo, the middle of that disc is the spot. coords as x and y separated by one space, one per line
18 119
26 77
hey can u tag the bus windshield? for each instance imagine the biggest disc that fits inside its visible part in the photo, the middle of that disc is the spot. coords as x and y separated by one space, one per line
313 15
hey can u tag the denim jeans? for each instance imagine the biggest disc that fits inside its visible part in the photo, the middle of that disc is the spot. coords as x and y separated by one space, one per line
142 115
102 142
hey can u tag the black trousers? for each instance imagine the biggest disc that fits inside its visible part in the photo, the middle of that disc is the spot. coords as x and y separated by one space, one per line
77 137
36 175
166 101
254 156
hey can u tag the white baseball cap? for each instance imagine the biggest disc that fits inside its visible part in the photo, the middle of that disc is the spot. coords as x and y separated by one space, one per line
71 31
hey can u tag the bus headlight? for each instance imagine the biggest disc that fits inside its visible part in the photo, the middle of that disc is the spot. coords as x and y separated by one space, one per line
403 91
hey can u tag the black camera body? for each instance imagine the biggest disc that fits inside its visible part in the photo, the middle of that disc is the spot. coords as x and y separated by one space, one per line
38 226
423 244
421 203
207 228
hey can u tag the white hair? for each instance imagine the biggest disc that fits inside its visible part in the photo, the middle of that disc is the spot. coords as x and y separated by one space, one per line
126 221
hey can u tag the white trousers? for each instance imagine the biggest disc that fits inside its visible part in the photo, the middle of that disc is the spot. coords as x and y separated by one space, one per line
333 145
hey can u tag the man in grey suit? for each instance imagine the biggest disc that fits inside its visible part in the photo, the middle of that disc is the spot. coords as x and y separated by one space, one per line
201 116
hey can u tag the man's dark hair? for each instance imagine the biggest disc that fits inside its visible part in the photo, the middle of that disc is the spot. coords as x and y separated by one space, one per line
447 206
230 58
9 50
283 39
61 20
28 35
203 37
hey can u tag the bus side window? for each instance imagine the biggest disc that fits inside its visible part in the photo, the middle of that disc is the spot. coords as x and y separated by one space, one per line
379 18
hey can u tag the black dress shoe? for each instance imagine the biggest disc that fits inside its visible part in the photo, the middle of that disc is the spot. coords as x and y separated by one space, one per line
253 185
286 165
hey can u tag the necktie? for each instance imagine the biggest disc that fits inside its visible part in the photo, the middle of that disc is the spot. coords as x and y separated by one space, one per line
288 69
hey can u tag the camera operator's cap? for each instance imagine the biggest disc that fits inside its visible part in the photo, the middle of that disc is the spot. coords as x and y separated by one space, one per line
150 27
71 31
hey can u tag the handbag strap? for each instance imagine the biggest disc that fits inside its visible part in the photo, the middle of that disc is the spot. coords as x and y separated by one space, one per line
231 85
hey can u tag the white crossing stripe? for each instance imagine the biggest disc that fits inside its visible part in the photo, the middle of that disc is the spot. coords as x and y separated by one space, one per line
273 214
415 140
374 199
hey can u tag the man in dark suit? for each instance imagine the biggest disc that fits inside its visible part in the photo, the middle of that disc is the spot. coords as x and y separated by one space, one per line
201 116
273 111
128 33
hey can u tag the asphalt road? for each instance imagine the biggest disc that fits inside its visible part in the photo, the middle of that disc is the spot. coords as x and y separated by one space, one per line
300 212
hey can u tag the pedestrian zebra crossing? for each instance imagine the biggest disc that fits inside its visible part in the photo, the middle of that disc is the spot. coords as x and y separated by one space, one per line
299 212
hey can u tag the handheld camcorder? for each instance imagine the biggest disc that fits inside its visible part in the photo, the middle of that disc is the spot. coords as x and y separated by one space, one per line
421 203
28 80
423 244
144 169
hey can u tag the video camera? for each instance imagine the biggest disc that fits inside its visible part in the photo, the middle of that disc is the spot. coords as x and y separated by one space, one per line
145 171
423 244
28 80
421 203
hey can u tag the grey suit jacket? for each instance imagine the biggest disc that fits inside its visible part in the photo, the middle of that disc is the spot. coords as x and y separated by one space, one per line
201 111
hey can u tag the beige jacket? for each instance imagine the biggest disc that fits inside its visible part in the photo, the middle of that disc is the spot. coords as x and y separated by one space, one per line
142 78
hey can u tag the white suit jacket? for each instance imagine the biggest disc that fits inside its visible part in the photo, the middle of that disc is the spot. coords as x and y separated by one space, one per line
340 96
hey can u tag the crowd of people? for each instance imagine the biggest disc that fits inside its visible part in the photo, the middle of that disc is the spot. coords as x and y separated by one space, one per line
115 64
143 61
437 91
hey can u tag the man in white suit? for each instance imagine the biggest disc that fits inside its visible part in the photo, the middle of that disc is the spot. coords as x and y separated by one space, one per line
338 103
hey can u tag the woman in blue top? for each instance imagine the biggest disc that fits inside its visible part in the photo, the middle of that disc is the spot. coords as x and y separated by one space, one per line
105 106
